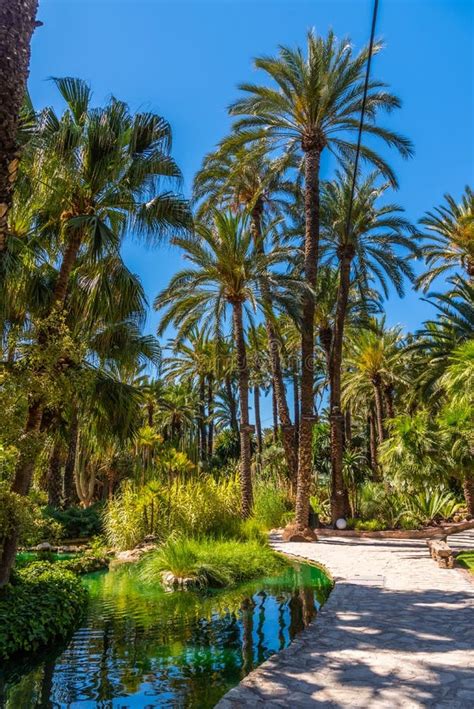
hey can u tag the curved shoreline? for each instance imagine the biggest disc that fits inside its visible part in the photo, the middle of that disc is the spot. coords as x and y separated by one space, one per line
396 631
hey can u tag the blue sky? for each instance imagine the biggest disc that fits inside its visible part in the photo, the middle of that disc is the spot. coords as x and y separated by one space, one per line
184 59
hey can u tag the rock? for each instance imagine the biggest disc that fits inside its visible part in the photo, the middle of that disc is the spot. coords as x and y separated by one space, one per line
171 582
131 555
291 533
44 546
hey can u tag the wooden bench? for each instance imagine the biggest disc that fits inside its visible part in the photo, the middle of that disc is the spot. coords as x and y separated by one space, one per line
441 552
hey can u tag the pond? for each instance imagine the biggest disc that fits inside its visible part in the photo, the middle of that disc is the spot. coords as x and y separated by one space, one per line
142 647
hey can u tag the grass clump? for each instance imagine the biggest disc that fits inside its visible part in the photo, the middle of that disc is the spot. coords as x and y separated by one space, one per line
466 559
207 562
43 602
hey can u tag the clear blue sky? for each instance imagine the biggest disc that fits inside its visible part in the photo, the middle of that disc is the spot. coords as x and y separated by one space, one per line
184 59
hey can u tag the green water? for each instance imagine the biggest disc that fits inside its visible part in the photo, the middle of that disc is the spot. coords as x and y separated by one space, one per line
141 647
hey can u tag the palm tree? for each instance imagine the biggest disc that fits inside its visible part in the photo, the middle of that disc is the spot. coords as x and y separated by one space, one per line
375 364
99 173
193 362
247 178
316 103
226 270
451 233
17 24
370 250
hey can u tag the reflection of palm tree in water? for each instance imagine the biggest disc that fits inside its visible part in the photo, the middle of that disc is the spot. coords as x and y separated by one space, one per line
47 684
260 634
307 604
281 624
247 607
295 606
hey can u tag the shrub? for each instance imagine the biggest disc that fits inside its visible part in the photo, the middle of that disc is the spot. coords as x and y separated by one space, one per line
369 525
77 521
43 602
270 506
198 507
430 506
210 562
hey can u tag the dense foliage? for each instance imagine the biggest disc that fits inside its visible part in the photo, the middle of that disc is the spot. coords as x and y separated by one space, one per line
43 602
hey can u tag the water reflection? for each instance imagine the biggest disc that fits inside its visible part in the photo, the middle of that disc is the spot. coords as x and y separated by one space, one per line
141 647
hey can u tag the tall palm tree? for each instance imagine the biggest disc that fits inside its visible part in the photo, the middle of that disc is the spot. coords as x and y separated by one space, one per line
226 270
17 24
248 178
450 238
374 360
98 173
315 105
370 250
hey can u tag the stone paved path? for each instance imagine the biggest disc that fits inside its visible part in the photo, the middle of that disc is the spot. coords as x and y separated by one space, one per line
396 632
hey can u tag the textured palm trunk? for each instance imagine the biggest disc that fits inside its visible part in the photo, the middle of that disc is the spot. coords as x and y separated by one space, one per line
70 495
287 429
67 264
468 489
17 24
339 495
210 414
232 405
202 433
54 479
258 421
348 427
374 464
21 484
379 408
311 249
296 406
245 428
275 414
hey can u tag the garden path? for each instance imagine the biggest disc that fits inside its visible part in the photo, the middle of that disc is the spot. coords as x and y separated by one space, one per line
397 631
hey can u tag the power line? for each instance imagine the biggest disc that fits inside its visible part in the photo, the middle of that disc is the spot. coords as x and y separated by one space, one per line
362 114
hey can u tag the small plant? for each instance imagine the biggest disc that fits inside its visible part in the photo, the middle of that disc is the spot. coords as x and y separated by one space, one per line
431 506
369 525
210 562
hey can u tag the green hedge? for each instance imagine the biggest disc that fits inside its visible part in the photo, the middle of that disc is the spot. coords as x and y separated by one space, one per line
42 602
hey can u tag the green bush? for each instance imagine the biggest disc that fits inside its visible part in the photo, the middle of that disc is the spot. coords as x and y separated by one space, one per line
270 506
369 525
43 602
211 562
199 507
77 522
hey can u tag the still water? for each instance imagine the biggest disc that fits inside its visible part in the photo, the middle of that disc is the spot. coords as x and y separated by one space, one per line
141 647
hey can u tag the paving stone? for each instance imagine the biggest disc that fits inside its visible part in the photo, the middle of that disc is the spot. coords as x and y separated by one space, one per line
397 631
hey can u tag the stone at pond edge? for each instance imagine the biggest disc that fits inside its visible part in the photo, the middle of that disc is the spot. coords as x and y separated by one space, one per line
291 533
171 582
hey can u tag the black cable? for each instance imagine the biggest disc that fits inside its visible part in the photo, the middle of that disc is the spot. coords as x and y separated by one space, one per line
362 114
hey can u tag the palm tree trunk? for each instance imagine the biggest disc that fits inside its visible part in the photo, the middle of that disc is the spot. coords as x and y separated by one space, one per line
54 479
202 434
275 414
374 464
17 24
468 489
258 421
210 414
348 427
70 495
232 405
67 264
379 410
296 406
339 497
287 429
311 252
21 483
245 428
